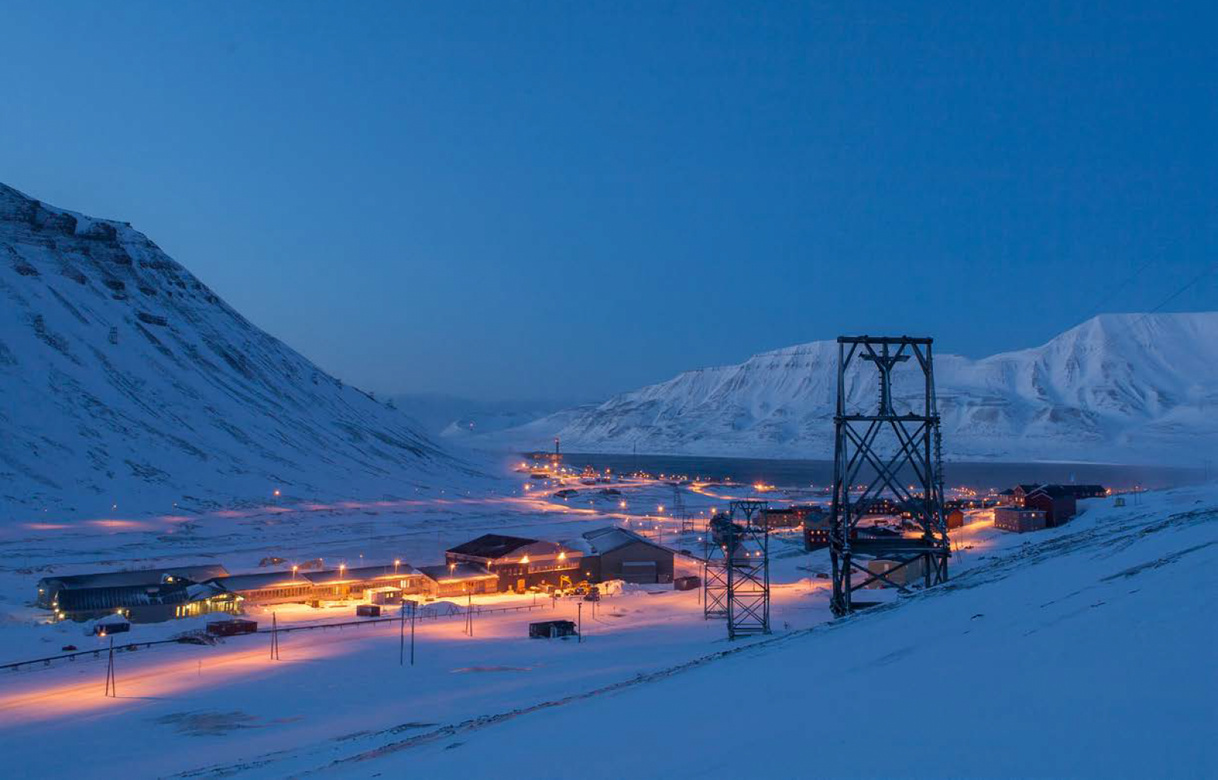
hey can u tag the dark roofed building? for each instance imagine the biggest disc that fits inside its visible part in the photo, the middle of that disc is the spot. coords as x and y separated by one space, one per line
489 547
520 563
1086 491
49 588
1019 520
1059 502
146 603
1055 501
613 553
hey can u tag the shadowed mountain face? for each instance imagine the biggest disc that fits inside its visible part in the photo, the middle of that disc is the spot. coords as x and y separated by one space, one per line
125 380
1129 388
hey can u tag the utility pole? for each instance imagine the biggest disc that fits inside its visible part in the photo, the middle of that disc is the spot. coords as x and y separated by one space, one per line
111 684
402 635
579 632
274 637
414 605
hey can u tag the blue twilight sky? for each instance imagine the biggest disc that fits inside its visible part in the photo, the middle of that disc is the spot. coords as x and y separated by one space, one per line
569 199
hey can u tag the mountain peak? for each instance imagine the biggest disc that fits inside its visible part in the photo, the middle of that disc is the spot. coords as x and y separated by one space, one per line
1139 387
151 389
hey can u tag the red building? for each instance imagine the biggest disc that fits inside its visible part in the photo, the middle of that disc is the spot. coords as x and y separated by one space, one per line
1055 501
520 563
789 517
954 518
816 529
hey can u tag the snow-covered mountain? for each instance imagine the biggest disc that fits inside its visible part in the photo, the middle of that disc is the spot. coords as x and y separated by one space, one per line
454 417
1131 388
125 381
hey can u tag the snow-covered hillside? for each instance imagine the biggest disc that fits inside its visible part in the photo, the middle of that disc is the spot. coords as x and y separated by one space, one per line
125 380
1120 387
454 417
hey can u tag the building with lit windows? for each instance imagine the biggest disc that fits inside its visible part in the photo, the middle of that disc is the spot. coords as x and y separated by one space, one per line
458 579
146 603
49 588
520 563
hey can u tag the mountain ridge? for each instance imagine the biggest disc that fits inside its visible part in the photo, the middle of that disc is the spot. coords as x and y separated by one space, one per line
127 382
1133 387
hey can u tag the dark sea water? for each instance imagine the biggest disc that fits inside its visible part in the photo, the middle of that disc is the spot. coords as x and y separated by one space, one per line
980 476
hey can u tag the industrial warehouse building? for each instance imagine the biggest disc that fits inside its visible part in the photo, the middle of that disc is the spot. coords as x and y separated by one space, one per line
49 588
613 553
520 563
145 603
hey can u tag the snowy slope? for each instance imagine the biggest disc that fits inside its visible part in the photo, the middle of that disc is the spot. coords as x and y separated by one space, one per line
1127 387
125 380
1084 652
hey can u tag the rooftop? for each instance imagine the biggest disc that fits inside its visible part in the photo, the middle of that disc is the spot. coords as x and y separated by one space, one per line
345 574
611 537
491 546
114 579
456 572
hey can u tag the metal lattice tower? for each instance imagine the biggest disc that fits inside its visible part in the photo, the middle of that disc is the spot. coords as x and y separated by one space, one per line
680 512
738 570
714 571
900 456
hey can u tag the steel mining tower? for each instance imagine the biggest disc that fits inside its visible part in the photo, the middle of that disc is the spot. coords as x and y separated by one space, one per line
737 581
888 453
